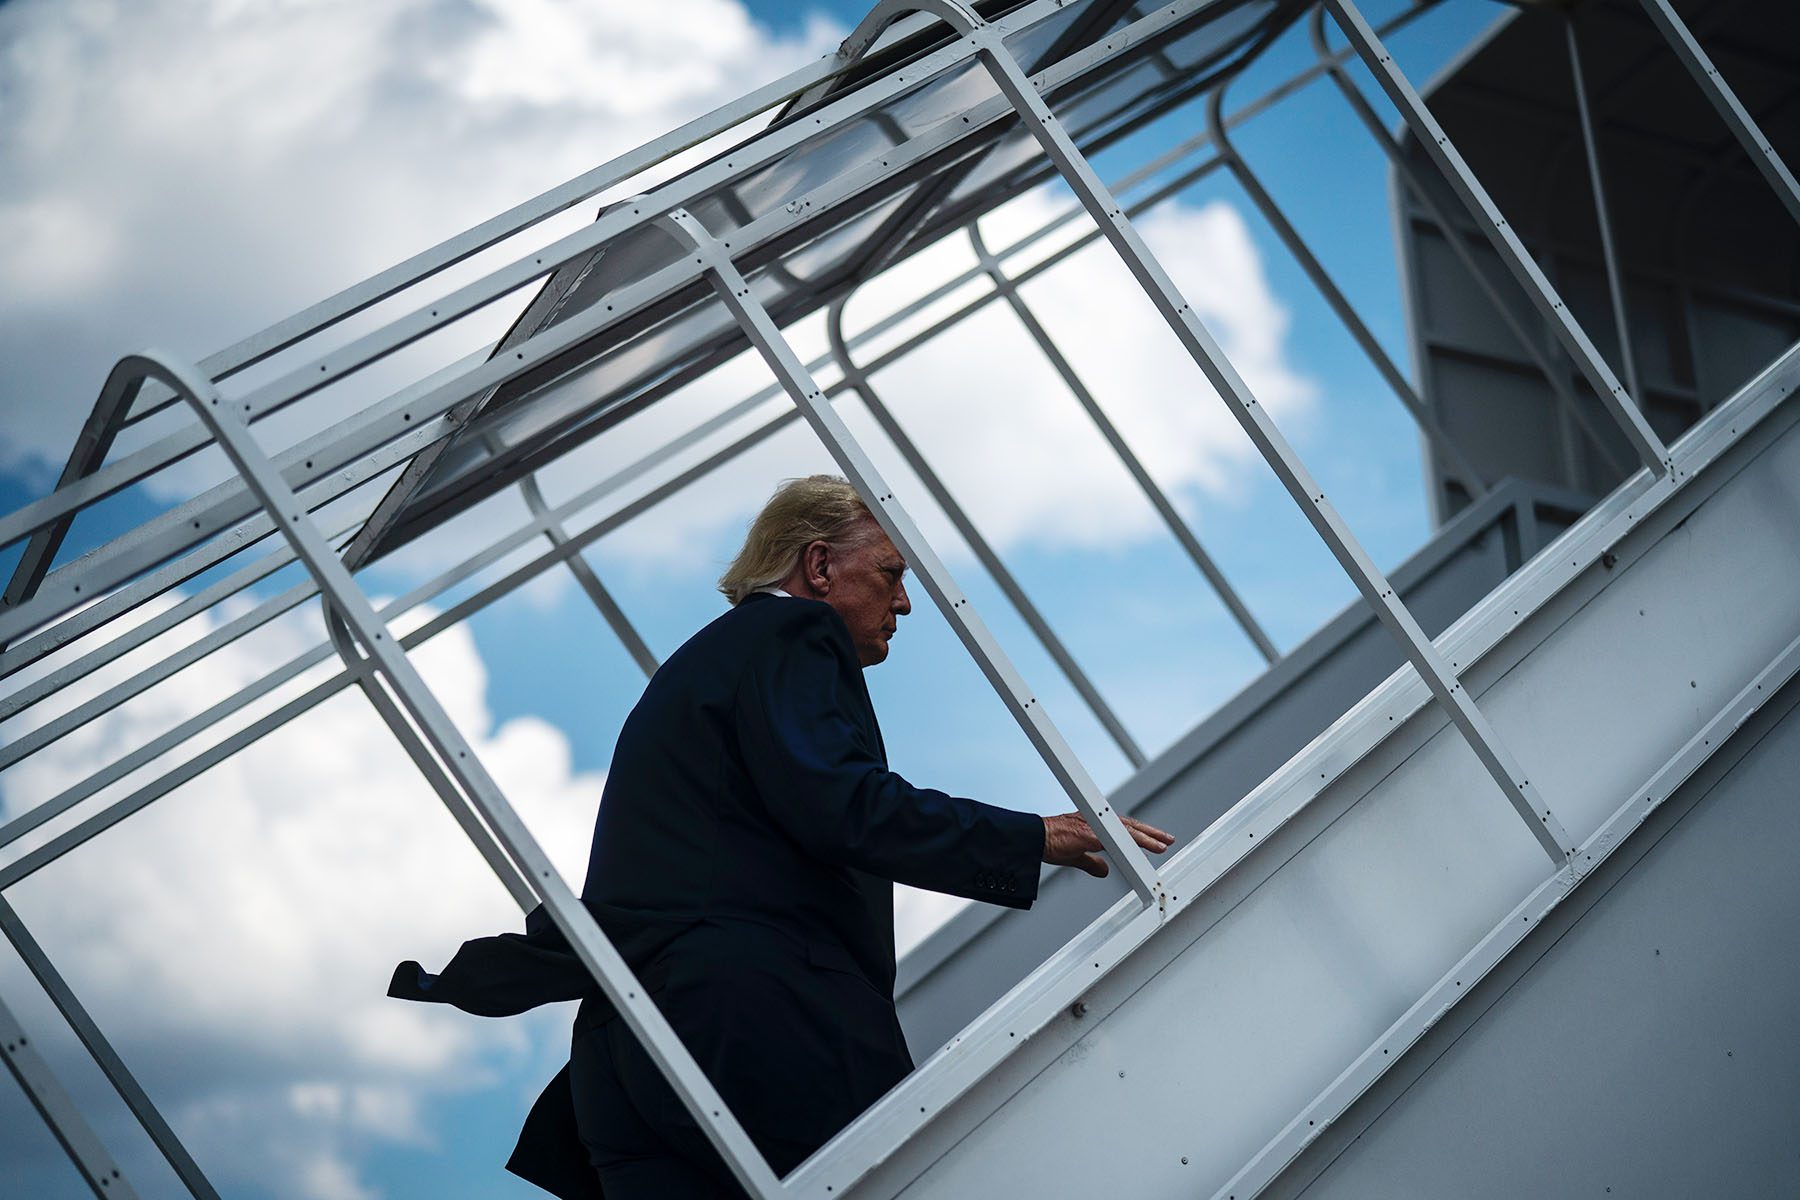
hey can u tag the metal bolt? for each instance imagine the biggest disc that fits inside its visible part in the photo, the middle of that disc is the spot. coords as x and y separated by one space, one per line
1078 1010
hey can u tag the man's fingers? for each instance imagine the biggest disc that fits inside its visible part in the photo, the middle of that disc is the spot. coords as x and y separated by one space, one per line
1071 841
1142 831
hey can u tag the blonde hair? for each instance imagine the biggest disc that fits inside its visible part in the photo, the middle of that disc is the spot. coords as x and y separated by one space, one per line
816 508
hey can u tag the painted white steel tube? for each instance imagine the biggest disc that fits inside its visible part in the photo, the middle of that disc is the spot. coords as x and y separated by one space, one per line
1275 450
899 526
434 725
1436 143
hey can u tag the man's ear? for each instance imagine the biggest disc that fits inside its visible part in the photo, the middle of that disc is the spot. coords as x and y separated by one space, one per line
816 559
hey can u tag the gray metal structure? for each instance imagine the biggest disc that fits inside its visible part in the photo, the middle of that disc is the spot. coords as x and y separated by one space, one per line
1640 203
1353 874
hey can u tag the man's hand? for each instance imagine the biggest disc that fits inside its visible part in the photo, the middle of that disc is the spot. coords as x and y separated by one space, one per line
1070 842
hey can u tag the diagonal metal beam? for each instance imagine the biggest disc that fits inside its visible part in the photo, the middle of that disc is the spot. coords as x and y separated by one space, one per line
1159 500
1340 304
597 593
1623 408
984 553
1014 693
53 1103
1109 215
105 1057
434 727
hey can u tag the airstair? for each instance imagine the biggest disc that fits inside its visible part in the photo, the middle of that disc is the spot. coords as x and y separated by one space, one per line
1482 888
1375 886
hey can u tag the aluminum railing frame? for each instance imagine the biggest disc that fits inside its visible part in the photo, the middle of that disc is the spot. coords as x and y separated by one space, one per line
297 520
978 545
1455 238
328 313
1153 492
1435 435
1039 1006
498 549
276 559
303 380
99 1170
68 723
429 408
418 711
85 620
1200 345
1020 701
1640 503
461 611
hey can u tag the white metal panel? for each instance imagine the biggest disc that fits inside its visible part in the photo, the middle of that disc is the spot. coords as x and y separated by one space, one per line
1358 916
1240 1032
1668 642
1647 1050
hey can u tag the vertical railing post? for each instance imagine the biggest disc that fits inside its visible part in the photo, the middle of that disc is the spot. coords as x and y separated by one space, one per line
1025 707
1435 435
1159 500
597 593
1110 216
1762 153
104 1055
1499 232
1609 254
984 553
64 1119
435 728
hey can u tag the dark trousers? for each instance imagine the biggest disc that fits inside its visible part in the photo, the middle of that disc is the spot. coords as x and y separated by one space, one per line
797 1050
625 1111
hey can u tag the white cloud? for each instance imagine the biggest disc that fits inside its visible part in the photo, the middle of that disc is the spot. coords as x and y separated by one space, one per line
236 937
996 421
180 173
991 415
277 151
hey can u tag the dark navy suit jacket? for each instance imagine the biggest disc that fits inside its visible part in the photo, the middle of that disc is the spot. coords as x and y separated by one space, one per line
742 860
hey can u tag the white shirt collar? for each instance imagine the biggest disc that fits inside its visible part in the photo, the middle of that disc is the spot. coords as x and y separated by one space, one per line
775 591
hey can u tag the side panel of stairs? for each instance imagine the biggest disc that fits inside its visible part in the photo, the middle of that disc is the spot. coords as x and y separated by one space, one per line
1215 1052
965 966
1644 1042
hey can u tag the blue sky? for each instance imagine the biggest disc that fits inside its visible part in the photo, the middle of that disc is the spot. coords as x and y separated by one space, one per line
276 154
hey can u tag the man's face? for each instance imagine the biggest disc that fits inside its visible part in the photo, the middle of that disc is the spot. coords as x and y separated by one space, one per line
868 590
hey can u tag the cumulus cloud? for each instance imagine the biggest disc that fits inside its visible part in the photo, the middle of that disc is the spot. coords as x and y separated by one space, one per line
989 412
993 416
182 172
278 151
235 938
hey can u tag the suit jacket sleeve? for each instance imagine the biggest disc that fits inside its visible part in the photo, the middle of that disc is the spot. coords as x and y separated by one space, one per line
808 742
